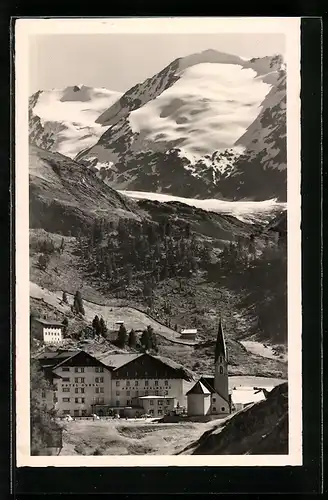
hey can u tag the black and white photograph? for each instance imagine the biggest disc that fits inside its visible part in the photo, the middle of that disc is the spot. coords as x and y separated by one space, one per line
158 242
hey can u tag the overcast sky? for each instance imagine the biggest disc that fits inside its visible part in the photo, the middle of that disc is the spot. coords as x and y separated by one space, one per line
119 61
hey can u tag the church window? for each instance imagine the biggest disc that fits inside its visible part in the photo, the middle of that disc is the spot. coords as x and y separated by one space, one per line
214 408
221 370
214 400
222 409
221 359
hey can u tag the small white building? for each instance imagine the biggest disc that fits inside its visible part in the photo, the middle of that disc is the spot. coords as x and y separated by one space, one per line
189 333
48 331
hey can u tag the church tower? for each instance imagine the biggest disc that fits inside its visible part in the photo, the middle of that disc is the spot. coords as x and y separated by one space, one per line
221 385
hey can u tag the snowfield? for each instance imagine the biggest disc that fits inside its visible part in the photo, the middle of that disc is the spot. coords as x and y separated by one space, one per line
71 114
246 211
207 109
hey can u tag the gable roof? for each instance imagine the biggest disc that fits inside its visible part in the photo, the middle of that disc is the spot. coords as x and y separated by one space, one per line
198 388
58 358
208 382
116 361
47 322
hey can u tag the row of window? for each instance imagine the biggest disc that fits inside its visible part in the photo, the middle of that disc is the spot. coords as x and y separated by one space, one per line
146 393
53 333
80 369
136 383
77 400
81 380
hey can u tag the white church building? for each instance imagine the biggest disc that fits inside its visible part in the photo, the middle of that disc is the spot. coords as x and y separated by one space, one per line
210 395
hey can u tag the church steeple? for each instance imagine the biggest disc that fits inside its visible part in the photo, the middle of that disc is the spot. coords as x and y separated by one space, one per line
221 383
220 348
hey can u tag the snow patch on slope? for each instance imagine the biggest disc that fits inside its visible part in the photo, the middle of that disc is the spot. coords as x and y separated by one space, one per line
207 109
70 114
246 211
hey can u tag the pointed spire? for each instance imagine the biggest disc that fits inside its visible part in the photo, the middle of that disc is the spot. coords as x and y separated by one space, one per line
220 349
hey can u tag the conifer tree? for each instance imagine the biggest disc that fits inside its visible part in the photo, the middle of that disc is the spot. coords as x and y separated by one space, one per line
132 342
96 325
102 327
122 336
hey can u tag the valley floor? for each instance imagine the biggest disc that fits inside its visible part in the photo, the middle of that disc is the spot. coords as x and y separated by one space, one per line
129 437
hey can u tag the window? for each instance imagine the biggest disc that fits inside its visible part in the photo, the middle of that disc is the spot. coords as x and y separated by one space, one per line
151 412
128 383
151 402
160 412
117 403
128 402
79 369
166 382
136 382
156 393
117 383
66 379
100 401
146 382
117 393
65 369
99 389
223 408
167 401
79 380
221 359
99 369
156 382
160 402
221 370
99 380
214 408
65 389
76 413
66 412
166 393
43 394
76 390
79 400
66 400
213 399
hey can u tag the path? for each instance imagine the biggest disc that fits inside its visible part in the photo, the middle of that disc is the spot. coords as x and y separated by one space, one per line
132 317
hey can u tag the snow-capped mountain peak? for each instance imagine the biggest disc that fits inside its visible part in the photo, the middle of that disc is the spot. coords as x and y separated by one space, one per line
64 119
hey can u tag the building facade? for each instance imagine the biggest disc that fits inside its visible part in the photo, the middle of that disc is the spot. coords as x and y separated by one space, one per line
49 332
84 384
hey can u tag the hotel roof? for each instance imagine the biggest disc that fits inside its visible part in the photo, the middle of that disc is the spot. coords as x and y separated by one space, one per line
49 322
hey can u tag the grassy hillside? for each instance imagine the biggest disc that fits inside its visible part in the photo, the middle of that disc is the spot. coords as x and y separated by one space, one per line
66 197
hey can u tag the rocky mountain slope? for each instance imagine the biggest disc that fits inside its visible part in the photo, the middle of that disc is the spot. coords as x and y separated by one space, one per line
65 120
66 197
207 125
259 429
